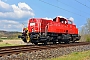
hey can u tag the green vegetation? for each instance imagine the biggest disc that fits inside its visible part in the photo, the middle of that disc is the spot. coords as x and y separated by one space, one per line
85 31
10 39
6 44
74 56
6 35
88 39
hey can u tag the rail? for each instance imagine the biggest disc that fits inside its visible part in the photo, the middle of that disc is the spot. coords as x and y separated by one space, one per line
9 50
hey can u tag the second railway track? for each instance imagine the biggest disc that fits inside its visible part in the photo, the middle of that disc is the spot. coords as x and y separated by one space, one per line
9 50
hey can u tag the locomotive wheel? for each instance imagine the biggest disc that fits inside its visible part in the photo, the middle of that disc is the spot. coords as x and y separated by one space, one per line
54 42
36 43
59 41
45 43
67 42
73 39
67 39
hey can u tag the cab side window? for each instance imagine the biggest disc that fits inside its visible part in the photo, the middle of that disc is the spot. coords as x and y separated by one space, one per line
69 22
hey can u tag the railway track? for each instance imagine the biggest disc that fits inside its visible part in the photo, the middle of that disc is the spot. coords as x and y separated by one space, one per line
9 50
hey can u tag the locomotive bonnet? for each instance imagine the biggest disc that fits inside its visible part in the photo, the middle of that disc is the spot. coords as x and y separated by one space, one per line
57 30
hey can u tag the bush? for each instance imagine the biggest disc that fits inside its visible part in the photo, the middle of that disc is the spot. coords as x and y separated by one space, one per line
88 39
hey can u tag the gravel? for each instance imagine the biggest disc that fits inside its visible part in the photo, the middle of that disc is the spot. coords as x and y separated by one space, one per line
45 54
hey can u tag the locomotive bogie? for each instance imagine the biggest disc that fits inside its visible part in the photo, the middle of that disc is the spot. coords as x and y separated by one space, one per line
52 37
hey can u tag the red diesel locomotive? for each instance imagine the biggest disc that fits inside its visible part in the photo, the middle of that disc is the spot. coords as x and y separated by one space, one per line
58 30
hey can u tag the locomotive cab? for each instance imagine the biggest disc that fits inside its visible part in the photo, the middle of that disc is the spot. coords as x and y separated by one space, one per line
61 20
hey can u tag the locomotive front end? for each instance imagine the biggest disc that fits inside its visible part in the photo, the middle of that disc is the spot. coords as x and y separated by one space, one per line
25 35
31 33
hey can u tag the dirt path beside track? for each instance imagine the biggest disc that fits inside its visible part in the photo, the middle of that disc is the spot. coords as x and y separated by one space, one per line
17 42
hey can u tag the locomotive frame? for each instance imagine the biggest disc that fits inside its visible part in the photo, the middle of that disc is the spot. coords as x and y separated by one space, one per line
43 31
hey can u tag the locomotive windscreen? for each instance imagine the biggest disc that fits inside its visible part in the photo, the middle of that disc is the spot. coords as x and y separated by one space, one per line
54 19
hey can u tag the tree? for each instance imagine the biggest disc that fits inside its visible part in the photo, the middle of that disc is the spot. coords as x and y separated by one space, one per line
85 31
87 26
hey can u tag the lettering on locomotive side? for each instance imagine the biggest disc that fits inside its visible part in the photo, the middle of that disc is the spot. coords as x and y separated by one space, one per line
32 24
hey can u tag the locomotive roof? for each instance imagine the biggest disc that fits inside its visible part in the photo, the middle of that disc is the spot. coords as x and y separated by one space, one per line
62 17
53 18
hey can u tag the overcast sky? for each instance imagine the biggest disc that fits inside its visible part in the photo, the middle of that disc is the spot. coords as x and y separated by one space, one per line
14 13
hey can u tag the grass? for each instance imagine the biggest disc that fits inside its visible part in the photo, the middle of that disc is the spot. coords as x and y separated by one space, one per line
6 44
9 38
10 42
74 56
